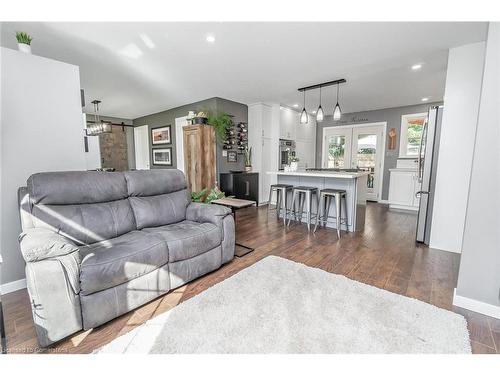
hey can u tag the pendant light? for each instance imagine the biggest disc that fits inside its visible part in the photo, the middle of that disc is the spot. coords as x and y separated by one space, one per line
337 113
320 115
98 126
304 118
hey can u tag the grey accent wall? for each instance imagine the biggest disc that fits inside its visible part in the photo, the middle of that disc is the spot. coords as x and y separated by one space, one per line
390 115
168 117
238 110
479 274
240 113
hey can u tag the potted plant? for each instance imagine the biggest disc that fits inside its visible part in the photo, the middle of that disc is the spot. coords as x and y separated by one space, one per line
200 118
294 163
23 42
248 159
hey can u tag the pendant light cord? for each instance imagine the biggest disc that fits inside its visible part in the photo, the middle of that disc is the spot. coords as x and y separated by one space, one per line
337 93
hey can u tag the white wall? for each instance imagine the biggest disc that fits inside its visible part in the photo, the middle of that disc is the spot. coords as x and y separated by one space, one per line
461 104
93 156
41 131
479 276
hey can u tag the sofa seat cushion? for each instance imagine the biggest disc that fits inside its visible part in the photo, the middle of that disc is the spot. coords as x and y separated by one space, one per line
112 262
188 239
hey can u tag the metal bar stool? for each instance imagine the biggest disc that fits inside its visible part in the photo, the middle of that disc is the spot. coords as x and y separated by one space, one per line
281 199
303 193
325 200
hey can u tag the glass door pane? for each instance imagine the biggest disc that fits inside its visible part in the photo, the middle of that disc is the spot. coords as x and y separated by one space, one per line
367 150
337 152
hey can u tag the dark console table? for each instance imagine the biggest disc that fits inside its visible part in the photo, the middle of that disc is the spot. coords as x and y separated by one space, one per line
241 185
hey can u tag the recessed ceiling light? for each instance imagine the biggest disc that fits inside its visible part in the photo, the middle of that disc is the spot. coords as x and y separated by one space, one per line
425 99
416 67
131 50
147 41
296 105
210 39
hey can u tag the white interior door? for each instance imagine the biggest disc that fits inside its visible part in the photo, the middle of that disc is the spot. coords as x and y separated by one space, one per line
141 143
367 154
180 122
337 147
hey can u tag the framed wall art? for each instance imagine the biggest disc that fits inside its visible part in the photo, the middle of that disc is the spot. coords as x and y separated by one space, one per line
161 136
162 156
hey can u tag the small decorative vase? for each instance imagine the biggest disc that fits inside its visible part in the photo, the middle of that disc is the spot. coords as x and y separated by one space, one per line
248 168
294 166
26 48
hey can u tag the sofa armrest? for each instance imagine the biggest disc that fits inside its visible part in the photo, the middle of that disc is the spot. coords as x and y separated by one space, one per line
41 243
207 213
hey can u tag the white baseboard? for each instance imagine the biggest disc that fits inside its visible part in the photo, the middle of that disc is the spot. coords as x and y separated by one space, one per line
476 306
12 286
383 201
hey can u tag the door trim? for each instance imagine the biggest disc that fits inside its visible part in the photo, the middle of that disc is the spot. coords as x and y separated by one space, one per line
383 125
180 123
138 149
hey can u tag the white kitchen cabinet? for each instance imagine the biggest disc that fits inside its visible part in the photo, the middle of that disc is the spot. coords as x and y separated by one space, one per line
266 131
403 186
267 165
263 137
288 123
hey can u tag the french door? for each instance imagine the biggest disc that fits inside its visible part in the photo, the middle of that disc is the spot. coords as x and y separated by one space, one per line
337 147
357 147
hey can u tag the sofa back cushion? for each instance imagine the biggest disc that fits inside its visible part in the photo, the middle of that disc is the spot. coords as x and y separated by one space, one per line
86 207
158 197
76 187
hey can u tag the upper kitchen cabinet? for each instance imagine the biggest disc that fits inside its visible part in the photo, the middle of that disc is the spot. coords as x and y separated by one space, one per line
291 128
289 119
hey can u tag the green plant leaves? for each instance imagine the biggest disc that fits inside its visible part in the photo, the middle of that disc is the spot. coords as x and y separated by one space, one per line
23 38
214 194
221 121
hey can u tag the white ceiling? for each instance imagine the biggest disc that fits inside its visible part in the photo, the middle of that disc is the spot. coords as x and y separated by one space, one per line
142 68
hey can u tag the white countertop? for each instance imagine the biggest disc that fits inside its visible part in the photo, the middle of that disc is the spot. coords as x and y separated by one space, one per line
323 174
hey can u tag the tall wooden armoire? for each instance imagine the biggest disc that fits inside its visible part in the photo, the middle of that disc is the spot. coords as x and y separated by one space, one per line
200 157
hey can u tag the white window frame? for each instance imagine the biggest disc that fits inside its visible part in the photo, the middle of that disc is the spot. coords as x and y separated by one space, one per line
403 136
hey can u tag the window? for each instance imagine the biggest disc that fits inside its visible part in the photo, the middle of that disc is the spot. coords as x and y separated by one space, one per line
411 132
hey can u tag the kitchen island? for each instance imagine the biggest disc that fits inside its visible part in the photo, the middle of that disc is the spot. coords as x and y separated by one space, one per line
354 183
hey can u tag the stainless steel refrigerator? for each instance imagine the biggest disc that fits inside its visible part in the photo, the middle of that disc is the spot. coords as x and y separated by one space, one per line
427 167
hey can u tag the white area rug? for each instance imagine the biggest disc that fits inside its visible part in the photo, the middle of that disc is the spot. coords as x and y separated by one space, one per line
279 306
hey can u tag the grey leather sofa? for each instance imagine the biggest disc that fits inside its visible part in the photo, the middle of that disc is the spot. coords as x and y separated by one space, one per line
99 244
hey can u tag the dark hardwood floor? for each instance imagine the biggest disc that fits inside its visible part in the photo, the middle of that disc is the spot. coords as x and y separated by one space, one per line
384 254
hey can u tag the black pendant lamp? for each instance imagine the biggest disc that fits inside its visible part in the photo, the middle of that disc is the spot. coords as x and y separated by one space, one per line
337 113
320 115
304 118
